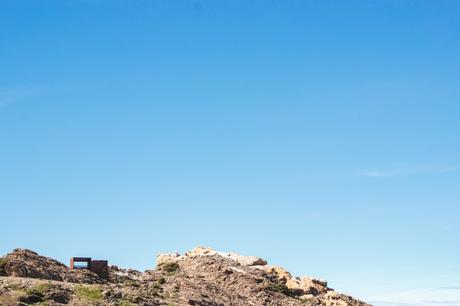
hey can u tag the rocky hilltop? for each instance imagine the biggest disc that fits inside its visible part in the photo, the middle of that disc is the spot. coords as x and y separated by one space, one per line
199 277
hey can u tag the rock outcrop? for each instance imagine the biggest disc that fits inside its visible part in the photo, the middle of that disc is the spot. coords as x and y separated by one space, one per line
26 263
202 276
202 251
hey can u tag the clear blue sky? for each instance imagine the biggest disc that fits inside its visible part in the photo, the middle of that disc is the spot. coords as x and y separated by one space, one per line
321 135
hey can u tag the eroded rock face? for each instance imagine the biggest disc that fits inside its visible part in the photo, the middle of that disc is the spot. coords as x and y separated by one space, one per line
254 281
306 285
240 259
26 263
204 251
202 276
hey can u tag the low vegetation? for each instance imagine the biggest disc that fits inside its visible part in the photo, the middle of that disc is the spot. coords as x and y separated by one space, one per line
2 266
279 287
170 267
89 293
40 288
14 287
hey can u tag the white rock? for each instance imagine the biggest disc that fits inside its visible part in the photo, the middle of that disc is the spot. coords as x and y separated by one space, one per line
165 258
242 260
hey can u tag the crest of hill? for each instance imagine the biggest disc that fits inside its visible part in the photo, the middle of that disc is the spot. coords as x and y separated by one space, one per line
202 276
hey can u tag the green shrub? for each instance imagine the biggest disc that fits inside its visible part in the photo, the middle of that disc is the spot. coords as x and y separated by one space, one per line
3 262
279 287
88 293
282 288
170 267
14 287
155 288
40 289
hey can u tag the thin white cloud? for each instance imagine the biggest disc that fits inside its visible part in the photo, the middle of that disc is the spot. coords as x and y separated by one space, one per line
10 96
396 171
441 296
373 173
438 290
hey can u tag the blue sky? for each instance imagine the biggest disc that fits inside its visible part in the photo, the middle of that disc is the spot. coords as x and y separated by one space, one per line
321 135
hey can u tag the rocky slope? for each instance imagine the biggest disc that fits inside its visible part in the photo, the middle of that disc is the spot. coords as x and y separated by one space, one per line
199 277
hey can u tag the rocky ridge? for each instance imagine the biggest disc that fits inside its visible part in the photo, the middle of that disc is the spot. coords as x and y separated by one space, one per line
202 276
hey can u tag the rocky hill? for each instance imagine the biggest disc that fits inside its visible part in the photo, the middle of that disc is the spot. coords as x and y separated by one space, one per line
199 277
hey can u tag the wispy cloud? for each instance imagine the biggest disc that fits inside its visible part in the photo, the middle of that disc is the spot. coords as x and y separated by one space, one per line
10 96
441 296
405 170
374 173
450 287
432 290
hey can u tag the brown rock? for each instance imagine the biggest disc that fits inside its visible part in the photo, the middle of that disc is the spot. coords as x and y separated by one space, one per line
202 276
26 263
